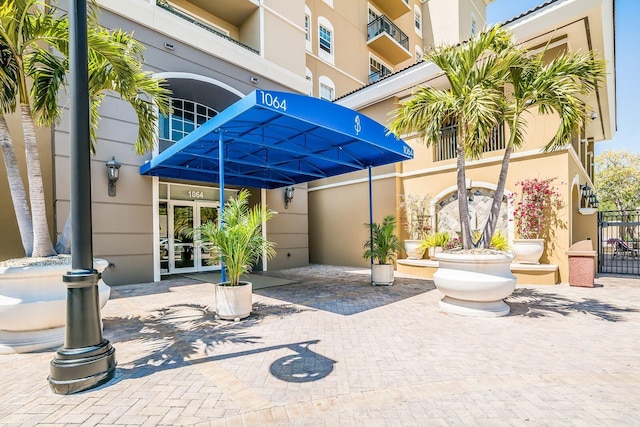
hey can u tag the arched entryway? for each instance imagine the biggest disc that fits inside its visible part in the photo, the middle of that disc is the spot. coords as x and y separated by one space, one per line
183 206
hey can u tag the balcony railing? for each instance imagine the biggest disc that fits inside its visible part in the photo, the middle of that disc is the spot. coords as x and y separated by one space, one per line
163 4
374 77
446 147
384 25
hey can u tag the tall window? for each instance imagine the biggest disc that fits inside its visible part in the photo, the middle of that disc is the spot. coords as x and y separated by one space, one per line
377 70
417 20
474 24
307 34
307 28
325 39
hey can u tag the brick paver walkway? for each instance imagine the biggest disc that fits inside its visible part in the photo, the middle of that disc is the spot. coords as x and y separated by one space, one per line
332 350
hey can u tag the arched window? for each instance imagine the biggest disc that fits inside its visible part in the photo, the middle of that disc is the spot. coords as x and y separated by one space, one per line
327 88
326 41
417 20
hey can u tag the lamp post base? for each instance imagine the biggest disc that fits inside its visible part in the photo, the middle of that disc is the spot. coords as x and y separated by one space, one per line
78 369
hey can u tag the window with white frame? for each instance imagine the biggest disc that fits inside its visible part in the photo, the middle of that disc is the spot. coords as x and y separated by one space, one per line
474 24
373 14
327 88
307 28
329 2
325 40
417 20
377 69
186 117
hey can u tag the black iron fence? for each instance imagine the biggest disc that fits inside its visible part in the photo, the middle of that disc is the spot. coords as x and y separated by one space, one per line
448 140
384 25
619 242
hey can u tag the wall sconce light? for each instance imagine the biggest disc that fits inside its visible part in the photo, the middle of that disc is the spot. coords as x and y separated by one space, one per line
113 173
254 79
288 196
588 202
594 115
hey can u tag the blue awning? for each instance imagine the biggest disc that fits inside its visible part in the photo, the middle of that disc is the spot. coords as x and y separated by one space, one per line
273 139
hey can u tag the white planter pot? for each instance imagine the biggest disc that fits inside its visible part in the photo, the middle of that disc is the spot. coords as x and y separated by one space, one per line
382 274
528 251
411 247
474 285
233 302
434 250
33 304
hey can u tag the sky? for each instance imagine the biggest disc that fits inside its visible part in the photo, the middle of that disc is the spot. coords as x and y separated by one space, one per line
627 33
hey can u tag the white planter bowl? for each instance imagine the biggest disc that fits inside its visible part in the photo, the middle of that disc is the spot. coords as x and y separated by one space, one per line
411 247
33 304
234 302
382 274
474 285
528 251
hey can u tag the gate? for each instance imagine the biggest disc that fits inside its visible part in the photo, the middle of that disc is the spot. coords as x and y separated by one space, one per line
619 242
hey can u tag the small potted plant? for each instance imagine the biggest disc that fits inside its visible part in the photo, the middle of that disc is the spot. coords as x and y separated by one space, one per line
416 222
382 247
435 242
533 210
239 243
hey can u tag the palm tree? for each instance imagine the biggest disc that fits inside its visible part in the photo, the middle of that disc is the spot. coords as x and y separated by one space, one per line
492 80
28 30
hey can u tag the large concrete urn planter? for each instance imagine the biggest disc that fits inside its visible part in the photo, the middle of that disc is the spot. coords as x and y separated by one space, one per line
382 274
474 284
33 303
233 302
527 251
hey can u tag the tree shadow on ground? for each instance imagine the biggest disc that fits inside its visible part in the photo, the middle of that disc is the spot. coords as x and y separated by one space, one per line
347 294
531 303
187 334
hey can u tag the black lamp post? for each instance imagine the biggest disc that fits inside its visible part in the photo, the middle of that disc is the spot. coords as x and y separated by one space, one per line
86 359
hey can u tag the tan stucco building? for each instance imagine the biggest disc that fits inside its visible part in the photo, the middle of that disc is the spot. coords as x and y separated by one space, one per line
363 54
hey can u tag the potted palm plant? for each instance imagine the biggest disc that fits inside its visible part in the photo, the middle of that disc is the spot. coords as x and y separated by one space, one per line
34 42
492 81
381 248
238 241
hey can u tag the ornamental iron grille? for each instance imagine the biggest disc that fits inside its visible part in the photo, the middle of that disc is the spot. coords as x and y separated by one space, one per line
619 242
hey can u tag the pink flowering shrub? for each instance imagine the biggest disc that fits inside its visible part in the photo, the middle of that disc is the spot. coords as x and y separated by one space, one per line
535 207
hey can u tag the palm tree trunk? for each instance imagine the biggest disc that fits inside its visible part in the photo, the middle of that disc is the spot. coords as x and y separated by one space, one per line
42 245
16 188
494 214
463 203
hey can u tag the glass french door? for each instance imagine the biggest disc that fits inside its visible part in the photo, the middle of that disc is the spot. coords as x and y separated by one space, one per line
185 255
